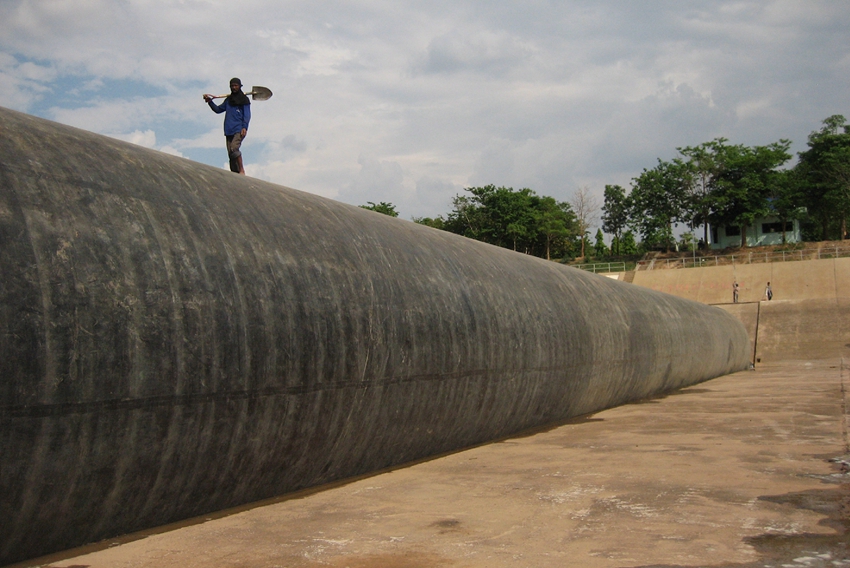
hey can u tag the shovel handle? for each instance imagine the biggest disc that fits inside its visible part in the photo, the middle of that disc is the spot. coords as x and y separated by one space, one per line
251 94
257 93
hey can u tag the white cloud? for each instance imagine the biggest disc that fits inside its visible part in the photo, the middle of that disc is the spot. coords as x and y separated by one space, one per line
434 196
213 138
409 102
483 51
377 180
24 82
171 150
146 138
755 108
103 116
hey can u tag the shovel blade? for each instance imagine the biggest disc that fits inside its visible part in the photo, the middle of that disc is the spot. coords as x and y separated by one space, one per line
260 93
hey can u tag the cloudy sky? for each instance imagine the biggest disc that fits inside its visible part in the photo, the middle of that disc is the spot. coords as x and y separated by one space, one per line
410 102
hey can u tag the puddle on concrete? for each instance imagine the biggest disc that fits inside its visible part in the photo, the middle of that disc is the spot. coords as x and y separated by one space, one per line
805 550
445 526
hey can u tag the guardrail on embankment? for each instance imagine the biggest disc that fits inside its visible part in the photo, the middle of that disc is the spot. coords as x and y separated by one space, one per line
601 267
749 257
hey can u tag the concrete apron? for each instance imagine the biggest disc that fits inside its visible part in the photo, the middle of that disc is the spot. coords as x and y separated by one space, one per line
732 472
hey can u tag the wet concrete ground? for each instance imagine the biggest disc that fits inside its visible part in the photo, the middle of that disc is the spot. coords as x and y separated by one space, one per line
742 471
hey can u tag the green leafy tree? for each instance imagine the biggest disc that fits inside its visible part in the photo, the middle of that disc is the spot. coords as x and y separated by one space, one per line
556 224
616 246
496 215
786 198
383 207
519 220
599 246
615 214
824 174
437 222
744 184
467 218
628 244
704 165
658 200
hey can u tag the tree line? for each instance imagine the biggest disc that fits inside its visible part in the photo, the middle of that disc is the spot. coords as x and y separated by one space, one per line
519 220
714 183
722 184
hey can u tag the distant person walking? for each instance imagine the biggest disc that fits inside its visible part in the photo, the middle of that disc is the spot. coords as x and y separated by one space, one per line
237 115
735 293
768 292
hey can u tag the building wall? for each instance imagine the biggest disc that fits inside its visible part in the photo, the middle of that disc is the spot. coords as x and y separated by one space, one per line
765 231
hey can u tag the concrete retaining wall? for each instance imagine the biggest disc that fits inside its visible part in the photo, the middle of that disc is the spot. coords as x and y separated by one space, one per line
179 339
803 330
792 280
806 320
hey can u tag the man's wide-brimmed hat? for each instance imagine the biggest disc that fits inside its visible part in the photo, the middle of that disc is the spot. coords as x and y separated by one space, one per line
236 80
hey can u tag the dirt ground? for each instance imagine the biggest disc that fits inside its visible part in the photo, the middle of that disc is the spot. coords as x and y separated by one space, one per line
747 470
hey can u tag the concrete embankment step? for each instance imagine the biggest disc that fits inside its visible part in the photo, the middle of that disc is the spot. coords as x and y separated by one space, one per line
798 280
808 316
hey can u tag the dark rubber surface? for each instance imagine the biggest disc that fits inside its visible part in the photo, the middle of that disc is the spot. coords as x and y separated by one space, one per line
177 339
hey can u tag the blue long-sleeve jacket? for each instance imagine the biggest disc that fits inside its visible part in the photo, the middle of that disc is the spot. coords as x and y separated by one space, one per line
236 117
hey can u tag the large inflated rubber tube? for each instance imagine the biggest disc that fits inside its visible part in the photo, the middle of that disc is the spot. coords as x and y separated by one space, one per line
178 339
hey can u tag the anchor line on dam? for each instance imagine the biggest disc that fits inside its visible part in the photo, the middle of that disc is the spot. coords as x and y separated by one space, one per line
67 408
844 367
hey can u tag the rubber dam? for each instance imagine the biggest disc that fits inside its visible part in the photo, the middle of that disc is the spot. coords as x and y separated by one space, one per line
177 339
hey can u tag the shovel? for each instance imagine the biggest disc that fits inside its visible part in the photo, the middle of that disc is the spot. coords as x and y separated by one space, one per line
257 94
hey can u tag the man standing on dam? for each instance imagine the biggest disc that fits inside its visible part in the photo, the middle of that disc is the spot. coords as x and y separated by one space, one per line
237 115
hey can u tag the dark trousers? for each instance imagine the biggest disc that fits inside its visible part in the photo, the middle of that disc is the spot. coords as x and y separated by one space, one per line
234 142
